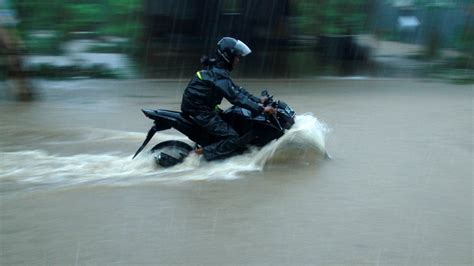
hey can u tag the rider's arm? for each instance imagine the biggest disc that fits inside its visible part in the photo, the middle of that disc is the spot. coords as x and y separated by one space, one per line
238 96
246 93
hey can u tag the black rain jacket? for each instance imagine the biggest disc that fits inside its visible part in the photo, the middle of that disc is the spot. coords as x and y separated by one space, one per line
207 89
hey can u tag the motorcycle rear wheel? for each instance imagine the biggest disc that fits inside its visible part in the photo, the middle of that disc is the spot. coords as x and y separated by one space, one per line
171 152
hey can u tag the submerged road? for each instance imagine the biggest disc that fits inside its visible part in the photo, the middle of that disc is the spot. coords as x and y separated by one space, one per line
397 192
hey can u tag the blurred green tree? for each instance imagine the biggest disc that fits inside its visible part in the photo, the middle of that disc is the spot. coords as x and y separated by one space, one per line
465 43
118 18
333 16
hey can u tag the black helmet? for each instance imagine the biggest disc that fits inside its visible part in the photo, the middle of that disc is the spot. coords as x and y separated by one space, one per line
228 48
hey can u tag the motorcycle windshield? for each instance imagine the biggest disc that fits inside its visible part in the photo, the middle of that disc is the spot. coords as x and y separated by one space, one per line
242 49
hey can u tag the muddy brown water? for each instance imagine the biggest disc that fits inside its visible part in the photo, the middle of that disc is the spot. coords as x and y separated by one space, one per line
398 190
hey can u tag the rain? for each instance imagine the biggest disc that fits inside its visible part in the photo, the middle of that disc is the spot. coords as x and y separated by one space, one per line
367 159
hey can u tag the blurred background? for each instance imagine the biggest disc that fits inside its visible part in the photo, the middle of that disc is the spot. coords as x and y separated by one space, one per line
289 38
391 82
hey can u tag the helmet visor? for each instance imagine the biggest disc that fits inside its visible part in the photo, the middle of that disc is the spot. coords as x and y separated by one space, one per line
242 49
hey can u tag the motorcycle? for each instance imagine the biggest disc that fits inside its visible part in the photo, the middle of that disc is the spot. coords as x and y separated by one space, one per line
263 127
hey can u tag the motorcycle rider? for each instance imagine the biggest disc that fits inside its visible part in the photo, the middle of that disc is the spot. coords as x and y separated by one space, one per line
205 92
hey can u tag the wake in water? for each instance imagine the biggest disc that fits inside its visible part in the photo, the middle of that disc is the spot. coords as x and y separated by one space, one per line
303 143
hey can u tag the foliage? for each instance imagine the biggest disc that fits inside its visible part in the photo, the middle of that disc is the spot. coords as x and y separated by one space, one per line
83 17
465 40
436 3
74 71
332 16
39 15
448 71
50 46
427 3
118 48
103 17
3 67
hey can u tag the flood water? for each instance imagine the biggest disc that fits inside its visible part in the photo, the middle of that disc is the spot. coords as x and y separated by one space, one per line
397 191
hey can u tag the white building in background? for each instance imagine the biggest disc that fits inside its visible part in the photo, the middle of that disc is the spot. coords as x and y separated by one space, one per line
413 21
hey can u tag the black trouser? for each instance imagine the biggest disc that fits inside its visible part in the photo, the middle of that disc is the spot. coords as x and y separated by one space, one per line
229 142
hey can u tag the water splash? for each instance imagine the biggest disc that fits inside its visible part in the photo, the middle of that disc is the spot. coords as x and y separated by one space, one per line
303 143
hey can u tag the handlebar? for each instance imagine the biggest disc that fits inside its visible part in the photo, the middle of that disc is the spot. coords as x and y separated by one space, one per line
269 99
